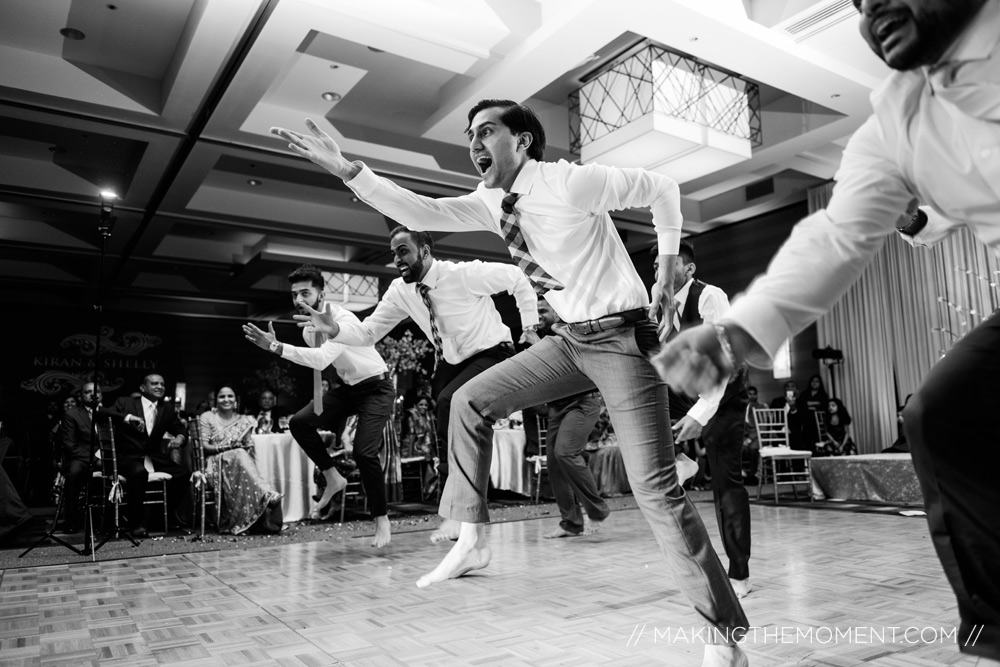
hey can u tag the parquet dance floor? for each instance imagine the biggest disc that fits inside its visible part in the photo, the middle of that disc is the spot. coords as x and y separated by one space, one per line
825 582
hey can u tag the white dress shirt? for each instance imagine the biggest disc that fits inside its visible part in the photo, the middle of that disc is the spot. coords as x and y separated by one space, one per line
564 219
917 145
712 305
460 293
149 413
353 364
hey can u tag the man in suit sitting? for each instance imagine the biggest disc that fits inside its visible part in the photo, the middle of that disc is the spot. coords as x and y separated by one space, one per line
144 420
269 415
76 435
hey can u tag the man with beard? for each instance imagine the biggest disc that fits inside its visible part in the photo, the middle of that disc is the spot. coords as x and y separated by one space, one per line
365 391
451 303
934 137
555 219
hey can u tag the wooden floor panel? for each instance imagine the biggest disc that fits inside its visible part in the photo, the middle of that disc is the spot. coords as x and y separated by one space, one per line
608 599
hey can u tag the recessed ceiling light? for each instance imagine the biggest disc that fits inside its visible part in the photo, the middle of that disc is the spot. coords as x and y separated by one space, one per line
374 50
253 181
112 7
334 66
835 95
694 39
331 97
72 33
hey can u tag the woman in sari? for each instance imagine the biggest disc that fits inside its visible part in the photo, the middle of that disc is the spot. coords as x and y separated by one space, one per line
247 499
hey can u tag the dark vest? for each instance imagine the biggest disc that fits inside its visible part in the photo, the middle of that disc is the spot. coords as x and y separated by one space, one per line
691 317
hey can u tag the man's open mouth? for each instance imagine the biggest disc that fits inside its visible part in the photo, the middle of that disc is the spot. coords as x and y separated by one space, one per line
885 26
484 163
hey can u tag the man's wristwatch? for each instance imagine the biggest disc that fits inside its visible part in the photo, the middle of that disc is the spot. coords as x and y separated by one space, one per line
274 345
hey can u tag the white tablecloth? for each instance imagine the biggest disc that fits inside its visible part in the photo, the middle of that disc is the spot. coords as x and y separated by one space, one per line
509 470
282 462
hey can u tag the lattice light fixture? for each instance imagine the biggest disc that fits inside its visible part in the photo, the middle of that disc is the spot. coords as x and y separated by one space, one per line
352 291
667 112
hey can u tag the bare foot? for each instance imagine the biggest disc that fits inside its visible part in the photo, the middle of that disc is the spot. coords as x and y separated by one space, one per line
447 531
591 526
686 468
382 534
742 587
335 483
471 552
558 531
722 655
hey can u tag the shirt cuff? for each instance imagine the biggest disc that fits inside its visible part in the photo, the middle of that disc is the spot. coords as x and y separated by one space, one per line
703 411
762 321
365 182
668 241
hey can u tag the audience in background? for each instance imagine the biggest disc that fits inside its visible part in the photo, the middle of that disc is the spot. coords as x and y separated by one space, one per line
900 446
76 431
247 499
813 400
751 441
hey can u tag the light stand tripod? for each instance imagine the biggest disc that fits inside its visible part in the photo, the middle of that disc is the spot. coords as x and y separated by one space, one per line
104 224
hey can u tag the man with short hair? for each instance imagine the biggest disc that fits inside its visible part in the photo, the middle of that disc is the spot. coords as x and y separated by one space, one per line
141 423
452 304
717 417
569 422
76 434
269 416
554 218
933 138
365 391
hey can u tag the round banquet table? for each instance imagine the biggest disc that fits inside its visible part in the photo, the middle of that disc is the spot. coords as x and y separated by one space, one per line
282 462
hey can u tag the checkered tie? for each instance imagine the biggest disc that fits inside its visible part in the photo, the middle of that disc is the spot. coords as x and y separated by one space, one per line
318 339
438 345
539 277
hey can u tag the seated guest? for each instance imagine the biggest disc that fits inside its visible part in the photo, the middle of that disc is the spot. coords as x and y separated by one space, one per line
813 399
838 440
791 396
142 420
270 418
797 416
420 430
247 499
76 434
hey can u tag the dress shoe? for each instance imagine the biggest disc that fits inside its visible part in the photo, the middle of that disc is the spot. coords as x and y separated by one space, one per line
139 532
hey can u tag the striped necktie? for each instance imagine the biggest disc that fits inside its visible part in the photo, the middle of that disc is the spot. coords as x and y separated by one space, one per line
318 339
438 346
539 277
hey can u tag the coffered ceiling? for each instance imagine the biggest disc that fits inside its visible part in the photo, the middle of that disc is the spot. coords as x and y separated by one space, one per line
169 105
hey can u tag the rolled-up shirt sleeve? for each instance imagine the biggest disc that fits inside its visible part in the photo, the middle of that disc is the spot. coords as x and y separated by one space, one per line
828 250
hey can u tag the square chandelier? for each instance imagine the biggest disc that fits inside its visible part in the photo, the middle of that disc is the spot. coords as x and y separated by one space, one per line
667 112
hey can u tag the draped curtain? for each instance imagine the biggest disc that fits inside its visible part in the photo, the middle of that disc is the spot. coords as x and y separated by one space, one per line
908 308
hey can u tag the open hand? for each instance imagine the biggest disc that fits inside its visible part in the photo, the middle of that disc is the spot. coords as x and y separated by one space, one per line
320 148
258 336
686 428
321 321
529 337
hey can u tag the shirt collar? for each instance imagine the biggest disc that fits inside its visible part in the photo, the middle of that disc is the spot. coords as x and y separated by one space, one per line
681 295
977 42
431 277
525 178
146 403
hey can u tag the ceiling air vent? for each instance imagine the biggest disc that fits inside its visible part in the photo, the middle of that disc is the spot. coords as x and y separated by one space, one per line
759 189
822 16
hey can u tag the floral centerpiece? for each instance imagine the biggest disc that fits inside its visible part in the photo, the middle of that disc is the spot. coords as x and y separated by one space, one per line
403 354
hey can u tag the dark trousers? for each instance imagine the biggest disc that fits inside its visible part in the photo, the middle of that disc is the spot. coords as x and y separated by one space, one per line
76 472
371 400
954 438
132 468
723 438
178 488
447 380
570 423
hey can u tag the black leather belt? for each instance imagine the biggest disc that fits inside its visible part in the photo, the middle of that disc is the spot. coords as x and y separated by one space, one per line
373 378
607 322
